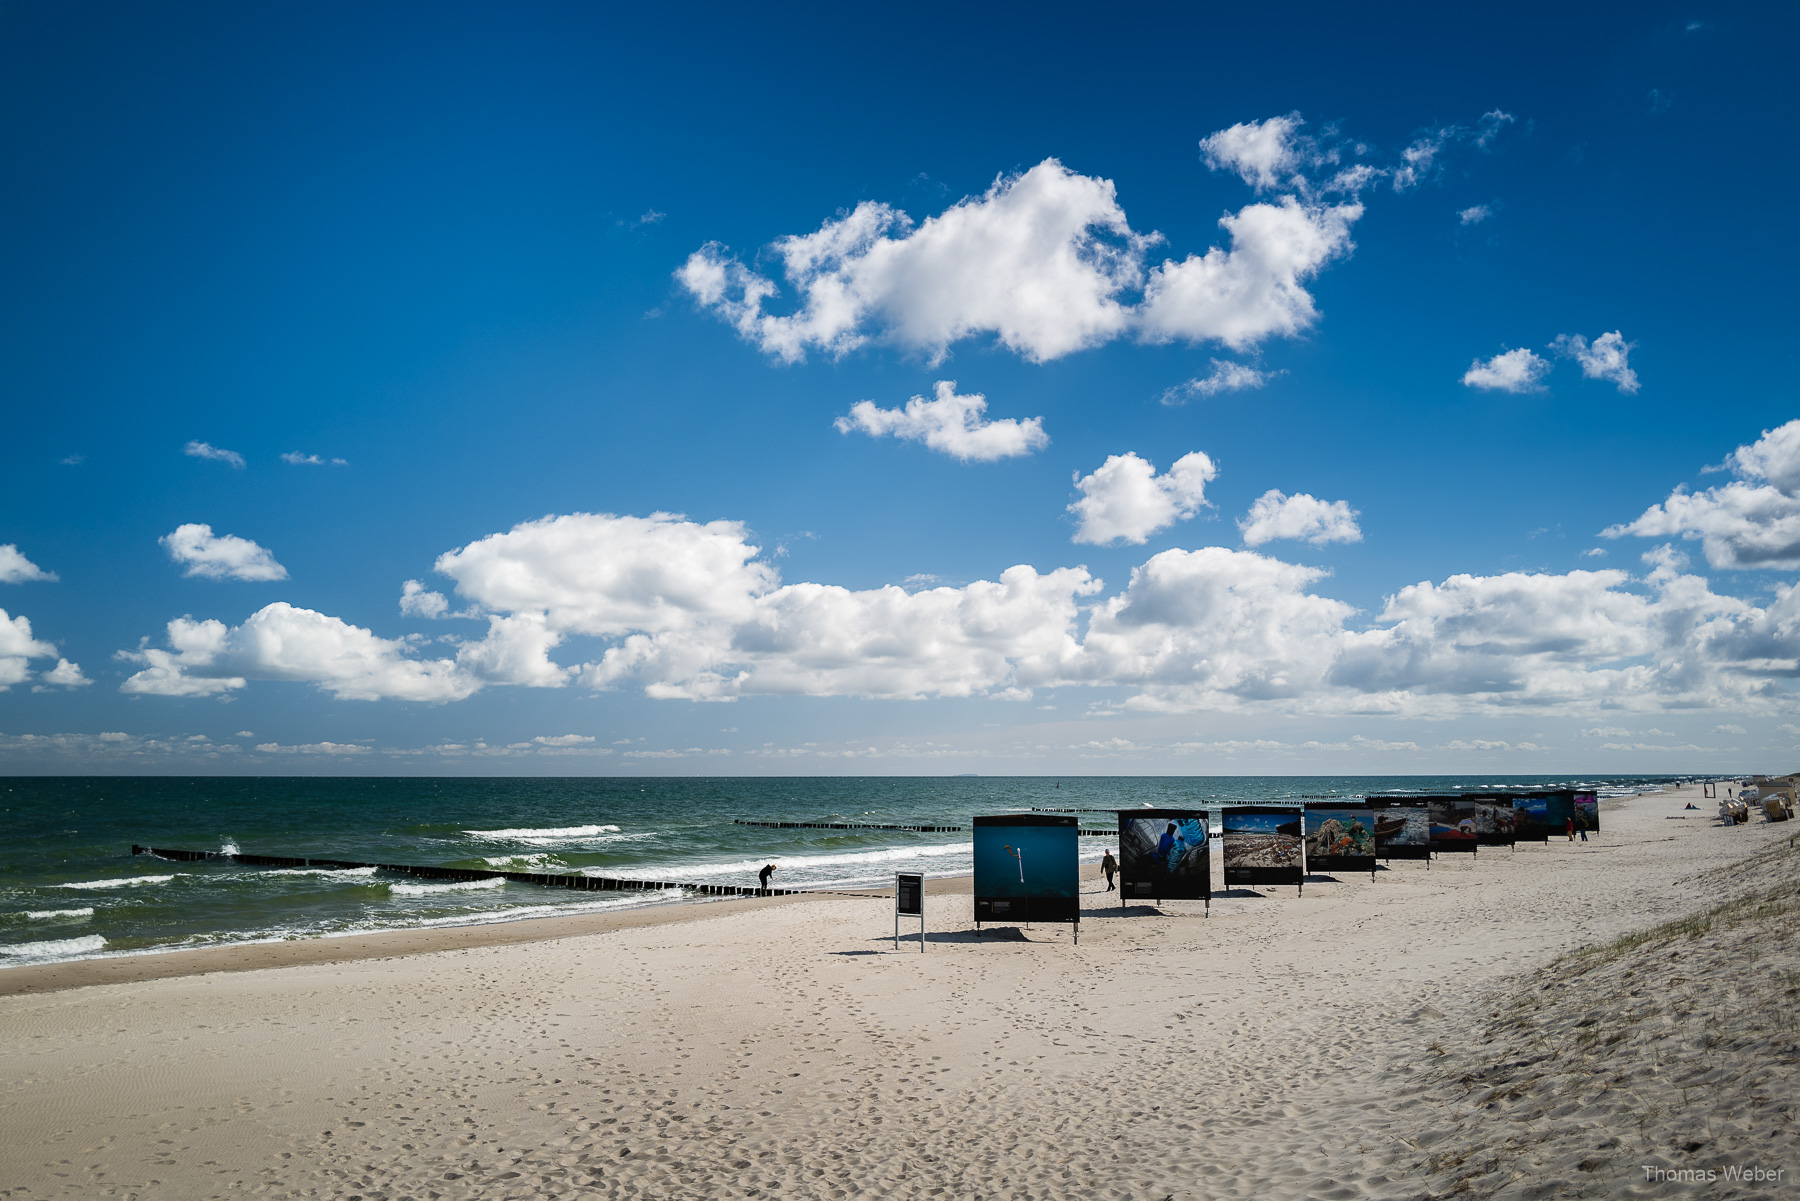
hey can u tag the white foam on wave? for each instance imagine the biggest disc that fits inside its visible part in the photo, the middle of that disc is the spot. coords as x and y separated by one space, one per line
547 834
796 862
55 948
421 890
318 871
229 847
39 915
121 882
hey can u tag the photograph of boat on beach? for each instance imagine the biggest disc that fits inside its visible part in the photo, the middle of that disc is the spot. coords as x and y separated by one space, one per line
1263 845
1340 838
1026 868
1164 854
1402 827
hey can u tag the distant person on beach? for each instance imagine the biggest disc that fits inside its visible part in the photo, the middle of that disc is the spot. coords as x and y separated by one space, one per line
1572 830
1109 865
1583 828
763 876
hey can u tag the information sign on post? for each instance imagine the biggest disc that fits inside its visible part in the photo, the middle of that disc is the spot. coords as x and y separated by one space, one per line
909 901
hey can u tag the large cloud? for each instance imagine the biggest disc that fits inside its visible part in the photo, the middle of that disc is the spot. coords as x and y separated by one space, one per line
281 642
1212 628
596 573
1754 521
822 640
682 609
1046 262
1038 261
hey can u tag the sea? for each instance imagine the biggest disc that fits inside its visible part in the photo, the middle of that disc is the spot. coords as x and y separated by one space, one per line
71 888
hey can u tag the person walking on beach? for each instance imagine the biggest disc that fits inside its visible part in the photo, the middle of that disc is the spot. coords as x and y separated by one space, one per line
763 876
1572 830
1109 865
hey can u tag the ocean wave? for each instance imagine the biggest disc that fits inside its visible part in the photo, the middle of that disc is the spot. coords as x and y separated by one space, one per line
39 915
547 834
317 871
121 882
422 890
55 948
796 862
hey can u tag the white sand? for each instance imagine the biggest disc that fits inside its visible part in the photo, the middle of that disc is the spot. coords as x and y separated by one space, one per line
1279 1049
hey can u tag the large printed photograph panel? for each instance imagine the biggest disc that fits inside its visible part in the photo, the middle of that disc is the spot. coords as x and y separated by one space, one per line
1340 838
1026 869
1263 845
1454 822
1587 811
1531 817
1402 828
1165 854
1494 824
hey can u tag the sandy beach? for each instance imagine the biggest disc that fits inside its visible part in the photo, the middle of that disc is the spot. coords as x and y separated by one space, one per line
1509 1024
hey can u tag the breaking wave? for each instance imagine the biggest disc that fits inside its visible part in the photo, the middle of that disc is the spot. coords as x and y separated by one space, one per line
535 836
55 948
423 890
317 871
38 915
121 882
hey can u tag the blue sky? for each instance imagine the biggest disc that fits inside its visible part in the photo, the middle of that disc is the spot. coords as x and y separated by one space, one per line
520 281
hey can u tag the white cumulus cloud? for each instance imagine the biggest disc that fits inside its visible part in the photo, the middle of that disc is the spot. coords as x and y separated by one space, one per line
1125 500
220 556
1475 214
683 609
66 674
949 423
15 568
17 649
1754 521
1045 261
1607 358
282 642
1519 370
1264 154
600 574
1038 261
206 450
1256 289
1299 518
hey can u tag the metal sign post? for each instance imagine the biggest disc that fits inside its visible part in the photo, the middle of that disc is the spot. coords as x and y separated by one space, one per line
909 901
